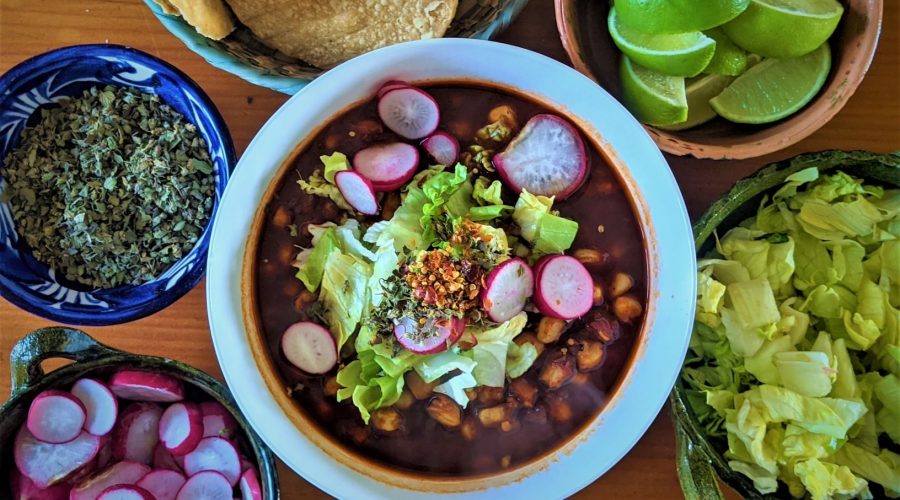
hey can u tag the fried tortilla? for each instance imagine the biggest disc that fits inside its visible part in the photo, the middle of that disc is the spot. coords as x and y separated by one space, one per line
327 32
211 18
167 7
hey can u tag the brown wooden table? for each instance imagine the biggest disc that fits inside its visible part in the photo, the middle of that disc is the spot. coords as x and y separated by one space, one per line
871 120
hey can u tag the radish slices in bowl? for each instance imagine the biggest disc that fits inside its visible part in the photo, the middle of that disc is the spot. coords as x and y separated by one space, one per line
133 437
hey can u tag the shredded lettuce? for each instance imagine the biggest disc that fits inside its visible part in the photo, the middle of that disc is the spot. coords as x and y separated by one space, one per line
320 184
795 356
548 233
313 266
334 164
492 350
488 201
456 387
824 480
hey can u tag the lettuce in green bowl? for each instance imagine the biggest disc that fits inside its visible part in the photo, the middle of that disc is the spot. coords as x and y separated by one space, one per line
791 386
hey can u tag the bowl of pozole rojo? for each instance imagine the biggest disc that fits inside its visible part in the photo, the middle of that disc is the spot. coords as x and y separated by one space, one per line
449 278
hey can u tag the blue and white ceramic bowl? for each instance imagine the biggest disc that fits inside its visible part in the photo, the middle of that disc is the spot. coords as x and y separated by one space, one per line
48 78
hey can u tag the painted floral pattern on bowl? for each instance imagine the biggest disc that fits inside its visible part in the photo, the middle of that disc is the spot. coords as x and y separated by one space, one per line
47 79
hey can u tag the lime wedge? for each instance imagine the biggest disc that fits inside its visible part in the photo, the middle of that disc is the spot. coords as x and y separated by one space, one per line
729 59
699 91
654 98
677 16
785 28
679 54
774 88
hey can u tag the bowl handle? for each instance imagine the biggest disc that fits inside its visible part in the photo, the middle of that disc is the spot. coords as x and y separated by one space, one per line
51 342
696 475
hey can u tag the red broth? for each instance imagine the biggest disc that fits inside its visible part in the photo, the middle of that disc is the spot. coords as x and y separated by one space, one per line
607 224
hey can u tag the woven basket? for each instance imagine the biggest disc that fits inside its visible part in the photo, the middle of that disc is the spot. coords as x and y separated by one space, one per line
244 55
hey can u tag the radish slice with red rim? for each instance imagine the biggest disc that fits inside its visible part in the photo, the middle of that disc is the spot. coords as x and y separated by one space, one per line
410 112
391 85
563 287
100 404
137 433
249 485
118 473
442 147
207 485
507 288
163 484
181 428
217 420
214 454
55 417
387 166
309 347
358 191
436 335
146 386
46 463
546 158
125 492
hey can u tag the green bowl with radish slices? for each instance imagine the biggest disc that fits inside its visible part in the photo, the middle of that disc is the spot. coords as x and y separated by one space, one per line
120 425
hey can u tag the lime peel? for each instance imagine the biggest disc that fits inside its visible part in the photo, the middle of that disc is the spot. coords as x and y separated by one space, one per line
774 88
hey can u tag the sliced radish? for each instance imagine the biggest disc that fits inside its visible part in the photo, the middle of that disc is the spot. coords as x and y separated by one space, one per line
442 147
387 166
309 347
507 288
432 337
564 288
216 426
410 112
163 459
163 484
146 386
46 463
55 417
24 488
100 404
137 433
217 420
181 428
207 485
546 158
357 190
391 85
115 474
125 492
250 489
215 454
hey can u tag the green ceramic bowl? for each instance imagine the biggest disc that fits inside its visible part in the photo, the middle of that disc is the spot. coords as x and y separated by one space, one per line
91 358
700 459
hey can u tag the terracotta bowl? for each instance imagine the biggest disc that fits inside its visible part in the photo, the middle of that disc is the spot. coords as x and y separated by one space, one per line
582 27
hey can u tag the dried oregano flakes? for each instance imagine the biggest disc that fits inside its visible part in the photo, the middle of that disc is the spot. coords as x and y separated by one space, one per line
110 188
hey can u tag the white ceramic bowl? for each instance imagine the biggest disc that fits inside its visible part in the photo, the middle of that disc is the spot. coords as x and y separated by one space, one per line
666 228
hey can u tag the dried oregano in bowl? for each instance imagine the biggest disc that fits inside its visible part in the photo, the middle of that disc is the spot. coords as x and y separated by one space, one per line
110 188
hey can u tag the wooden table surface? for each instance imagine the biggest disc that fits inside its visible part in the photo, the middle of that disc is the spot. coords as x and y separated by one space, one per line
870 120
